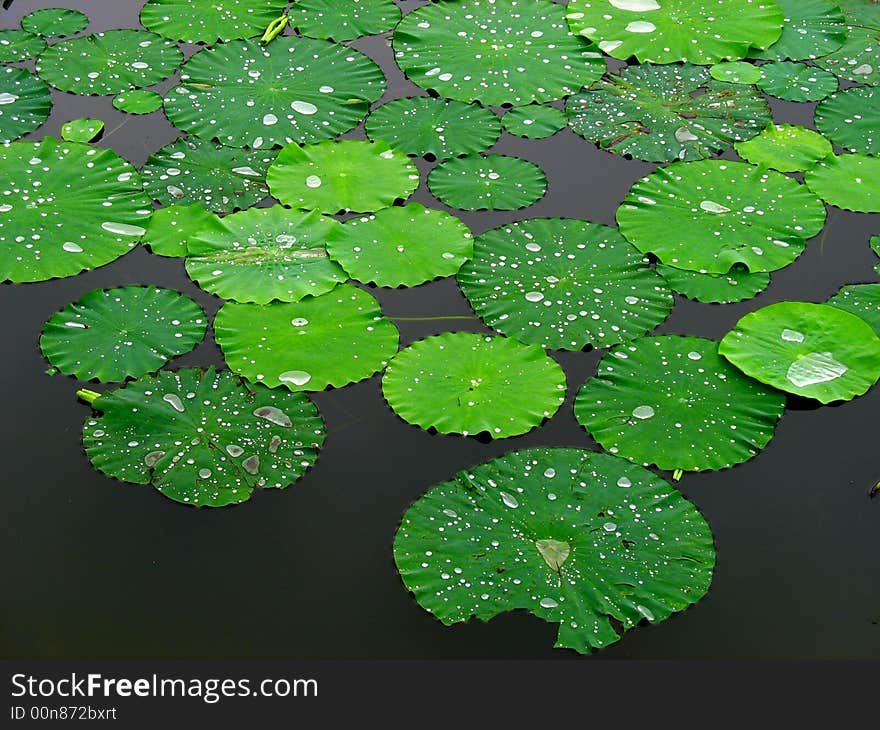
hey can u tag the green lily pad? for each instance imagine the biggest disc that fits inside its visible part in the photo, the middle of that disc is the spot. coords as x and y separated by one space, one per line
451 47
666 31
862 300
858 59
814 350
72 207
19 45
574 537
109 62
723 213
796 81
332 340
208 21
851 182
665 113
114 334
343 20
563 283
534 121
244 94
811 28
170 228
81 130
785 147
674 402
55 22
401 246
138 101
849 119
264 254
424 125
196 171
736 285
487 182
736 72
25 103
203 438
466 383
349 174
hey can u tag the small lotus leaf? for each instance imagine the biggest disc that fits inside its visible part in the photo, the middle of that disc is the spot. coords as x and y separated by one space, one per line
487 182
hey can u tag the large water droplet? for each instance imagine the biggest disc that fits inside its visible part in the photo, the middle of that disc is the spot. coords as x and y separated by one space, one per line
554 552
643 412
174 401
273 415
123 229
712 207
304 107
534 296
792 335
7 98
251 464
234 450
152 458
297 377
549 603
509 500
71 247
815 367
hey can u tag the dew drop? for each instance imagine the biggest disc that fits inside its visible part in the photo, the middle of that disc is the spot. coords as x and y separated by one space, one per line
204 473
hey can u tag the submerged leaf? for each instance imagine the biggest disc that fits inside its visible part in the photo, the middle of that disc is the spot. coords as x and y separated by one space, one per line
851 182
207 21
25 103
785 147
487 182
343 20
138 101
170 228
734 286
862 300
534 121
81 130
55 22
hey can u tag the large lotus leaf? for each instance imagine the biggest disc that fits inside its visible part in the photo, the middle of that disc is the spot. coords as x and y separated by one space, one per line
796 81
785 147
207 21
170 228
25 103
710 215
574 537
534 121
264 254
811 28
343 20
424 125
734 286
863 300
736 72
203 438
81 130
55 22
461 382
350 174
114 334
666 113
858 59
487 182
666 31
563 283
197 171
401 246
71 207
19 45
109 62
332 340
674 402
814 350
244 94
849 119
138 101
851 182
494 51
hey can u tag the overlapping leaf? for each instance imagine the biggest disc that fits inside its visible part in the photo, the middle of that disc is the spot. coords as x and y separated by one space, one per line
207 21
25 103
343 20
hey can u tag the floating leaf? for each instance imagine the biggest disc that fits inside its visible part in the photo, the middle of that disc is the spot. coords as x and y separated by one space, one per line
343 20
574 537
72 207
811 28
81 130
423 125
19 45
849 119
722 214
736 72
461 382
244 94
25 103
666 31
851 182
858 59
862 300
814 350
109 62
796 81
264 254
563 283
487 182
196 171
332 340
674 402
114 334
55 22
170 228
734 286
401 246
785 147
534 121
138 101
207 21
203 438
451 47
349 174
666 113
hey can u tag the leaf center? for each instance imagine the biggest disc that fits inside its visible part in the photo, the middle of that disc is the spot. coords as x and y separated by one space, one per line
554 552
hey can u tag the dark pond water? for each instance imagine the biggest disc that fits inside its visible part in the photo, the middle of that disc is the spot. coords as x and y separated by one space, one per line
96 568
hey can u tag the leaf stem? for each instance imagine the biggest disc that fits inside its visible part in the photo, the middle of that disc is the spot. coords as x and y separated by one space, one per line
89 396
274 29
